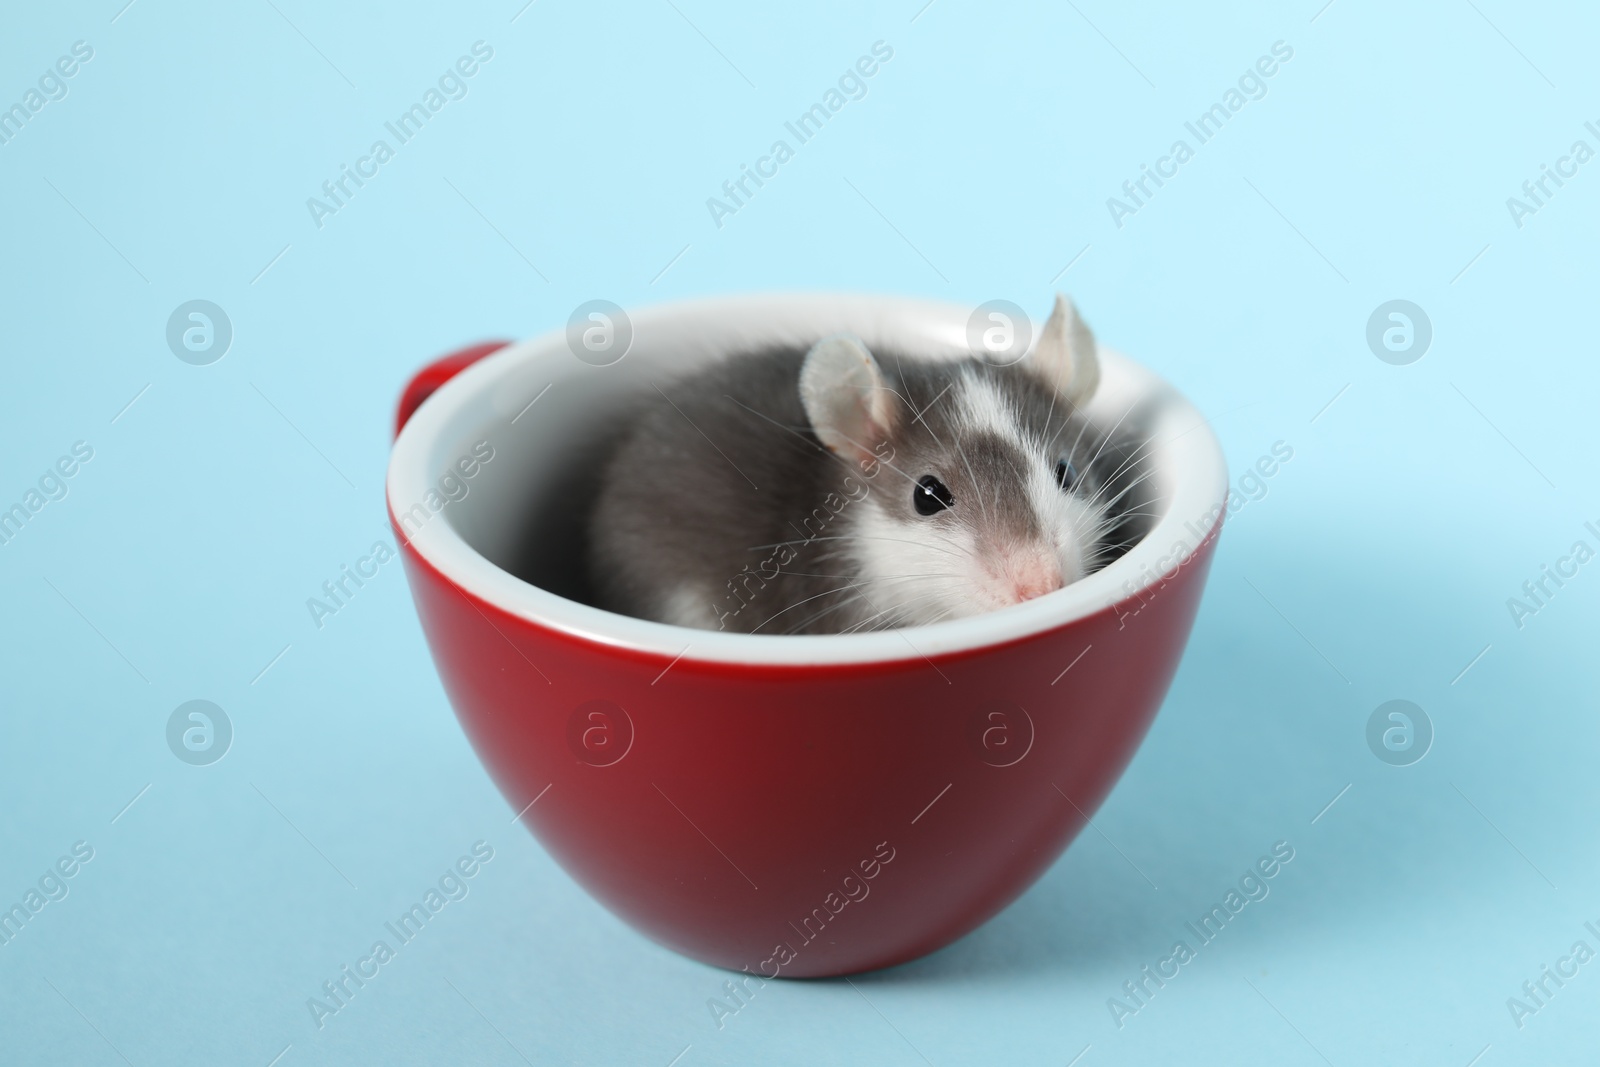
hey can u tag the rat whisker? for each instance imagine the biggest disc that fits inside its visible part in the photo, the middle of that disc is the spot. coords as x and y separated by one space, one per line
893 608
849 603
1141 501
853 585
1136 456
791 607
897 608
1066 423
1154 443
877 578
1110 434
902 610
1116 481
811 620
1122 544
1129 487
1124 515
1084 425
1117 511
892 391
860 537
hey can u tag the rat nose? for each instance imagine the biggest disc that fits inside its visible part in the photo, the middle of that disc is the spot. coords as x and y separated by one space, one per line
1035 577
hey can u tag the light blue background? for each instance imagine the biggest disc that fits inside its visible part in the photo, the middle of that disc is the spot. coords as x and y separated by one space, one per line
1377 566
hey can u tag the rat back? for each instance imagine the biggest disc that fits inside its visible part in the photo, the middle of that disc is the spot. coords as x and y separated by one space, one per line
720 509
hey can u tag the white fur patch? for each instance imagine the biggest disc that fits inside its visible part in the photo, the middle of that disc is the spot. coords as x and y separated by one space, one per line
910 574
687 605
1073 524
982 407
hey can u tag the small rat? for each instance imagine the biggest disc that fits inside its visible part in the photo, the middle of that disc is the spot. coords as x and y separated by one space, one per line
826 490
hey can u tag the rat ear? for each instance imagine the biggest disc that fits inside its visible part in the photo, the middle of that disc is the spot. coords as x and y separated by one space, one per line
1066 356
845 397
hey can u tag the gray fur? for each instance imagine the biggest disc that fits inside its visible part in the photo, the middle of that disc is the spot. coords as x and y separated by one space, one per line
721 469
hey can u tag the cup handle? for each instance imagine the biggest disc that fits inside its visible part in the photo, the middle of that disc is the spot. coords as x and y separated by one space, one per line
426 381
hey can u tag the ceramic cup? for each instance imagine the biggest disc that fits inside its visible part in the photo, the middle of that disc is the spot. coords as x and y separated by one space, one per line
789 806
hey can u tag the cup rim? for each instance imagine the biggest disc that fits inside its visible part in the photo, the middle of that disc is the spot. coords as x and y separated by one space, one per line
1185 447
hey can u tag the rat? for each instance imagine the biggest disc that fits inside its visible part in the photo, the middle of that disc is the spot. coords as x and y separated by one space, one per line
830 489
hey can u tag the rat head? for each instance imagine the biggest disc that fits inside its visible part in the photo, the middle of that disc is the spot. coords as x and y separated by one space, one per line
988 485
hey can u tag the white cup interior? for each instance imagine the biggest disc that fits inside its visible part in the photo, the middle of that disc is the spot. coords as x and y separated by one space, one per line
512 532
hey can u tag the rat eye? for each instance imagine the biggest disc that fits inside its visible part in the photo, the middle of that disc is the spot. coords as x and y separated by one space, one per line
1066 474
931 496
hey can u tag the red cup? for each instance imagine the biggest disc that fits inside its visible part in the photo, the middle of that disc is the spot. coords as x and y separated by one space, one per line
788 805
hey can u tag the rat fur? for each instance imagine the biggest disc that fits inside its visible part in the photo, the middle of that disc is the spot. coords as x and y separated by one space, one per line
830 489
